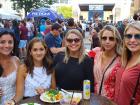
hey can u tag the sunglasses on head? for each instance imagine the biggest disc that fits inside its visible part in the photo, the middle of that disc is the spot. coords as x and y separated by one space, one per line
129 36
104 38
76 40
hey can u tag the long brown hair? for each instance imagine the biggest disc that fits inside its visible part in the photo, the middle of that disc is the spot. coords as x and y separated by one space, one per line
47 60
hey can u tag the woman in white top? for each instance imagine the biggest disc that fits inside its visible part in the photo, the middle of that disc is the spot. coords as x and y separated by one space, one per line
8 65
35 75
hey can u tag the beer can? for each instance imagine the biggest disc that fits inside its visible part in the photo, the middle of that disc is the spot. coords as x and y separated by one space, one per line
86 89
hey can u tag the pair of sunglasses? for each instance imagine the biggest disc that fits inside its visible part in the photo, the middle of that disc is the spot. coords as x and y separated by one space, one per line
104 38
76 40
130 36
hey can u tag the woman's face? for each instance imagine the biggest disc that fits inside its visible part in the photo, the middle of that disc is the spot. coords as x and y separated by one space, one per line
73 42
108 41
6 44
93 32
38 52
132 40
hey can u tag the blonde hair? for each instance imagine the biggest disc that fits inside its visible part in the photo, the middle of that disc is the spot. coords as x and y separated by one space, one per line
126 53
81 50
116 35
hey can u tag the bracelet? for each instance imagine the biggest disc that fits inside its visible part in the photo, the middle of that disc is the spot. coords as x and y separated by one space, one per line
14 101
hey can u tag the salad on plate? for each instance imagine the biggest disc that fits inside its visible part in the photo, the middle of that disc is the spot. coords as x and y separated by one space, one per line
51 96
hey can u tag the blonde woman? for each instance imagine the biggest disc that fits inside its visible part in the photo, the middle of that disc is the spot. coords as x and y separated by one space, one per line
107 61
128 86
74 66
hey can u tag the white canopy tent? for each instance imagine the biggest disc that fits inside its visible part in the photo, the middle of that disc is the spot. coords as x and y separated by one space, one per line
8 15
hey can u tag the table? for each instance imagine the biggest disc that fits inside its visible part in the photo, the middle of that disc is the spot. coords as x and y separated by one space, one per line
94 100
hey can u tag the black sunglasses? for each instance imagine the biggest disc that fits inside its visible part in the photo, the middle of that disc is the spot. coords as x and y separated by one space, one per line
76 40
104 38
129 36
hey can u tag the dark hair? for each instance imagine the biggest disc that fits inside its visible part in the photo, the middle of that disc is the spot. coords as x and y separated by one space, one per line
70 22
5 31
23 22
1 70
56 26
47 60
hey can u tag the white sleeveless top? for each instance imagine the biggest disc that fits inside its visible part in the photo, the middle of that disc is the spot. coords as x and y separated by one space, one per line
39 79
8 85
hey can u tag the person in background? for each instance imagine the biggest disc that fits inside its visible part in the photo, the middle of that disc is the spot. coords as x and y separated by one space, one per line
49 25
94 38
73 67
107 61
72 25
1 23
127 85
53 39
23 39
31 29
15 28
36 74
8 65
122 27
136 16
42 27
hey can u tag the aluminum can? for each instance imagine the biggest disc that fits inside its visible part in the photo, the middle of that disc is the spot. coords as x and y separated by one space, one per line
86 89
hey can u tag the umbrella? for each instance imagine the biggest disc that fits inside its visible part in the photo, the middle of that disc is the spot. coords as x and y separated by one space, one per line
43 12
61 17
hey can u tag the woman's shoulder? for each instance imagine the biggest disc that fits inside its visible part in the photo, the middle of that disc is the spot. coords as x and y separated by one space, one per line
88 59
22 68
16 58
59 56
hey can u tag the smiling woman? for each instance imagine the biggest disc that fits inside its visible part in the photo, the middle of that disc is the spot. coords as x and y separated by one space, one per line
73 67
128 87
8 64
36 74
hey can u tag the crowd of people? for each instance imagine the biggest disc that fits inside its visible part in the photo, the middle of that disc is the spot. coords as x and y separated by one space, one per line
53 56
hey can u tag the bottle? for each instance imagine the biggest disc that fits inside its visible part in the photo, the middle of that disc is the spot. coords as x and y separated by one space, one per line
86 89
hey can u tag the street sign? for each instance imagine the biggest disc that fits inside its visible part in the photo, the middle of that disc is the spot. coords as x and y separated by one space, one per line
96 7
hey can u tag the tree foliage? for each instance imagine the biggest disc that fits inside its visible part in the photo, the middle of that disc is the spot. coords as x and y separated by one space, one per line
66 11
28 5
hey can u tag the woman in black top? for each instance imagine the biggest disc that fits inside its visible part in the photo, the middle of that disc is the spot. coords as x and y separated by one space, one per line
73 67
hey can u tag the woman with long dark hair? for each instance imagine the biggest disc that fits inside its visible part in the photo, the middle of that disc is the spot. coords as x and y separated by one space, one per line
35 75
8 65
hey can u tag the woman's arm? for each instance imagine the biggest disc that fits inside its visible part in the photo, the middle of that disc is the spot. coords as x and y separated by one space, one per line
21 74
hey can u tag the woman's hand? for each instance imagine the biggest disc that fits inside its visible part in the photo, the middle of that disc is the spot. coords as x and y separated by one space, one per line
11 102
40 90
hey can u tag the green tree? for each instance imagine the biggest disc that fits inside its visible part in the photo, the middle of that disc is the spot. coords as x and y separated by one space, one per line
66 11
28 5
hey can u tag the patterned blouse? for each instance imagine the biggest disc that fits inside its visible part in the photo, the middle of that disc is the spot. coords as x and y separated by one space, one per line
108 86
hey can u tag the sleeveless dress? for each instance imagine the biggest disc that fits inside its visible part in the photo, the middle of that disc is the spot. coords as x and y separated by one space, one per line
8 85
39 79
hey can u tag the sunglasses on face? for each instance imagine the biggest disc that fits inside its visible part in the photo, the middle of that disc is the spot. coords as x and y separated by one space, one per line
104 38
76 40
130 36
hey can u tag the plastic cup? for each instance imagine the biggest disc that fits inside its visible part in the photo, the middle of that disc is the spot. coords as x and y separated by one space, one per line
65 100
